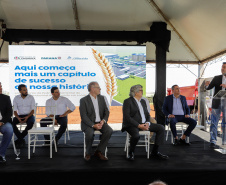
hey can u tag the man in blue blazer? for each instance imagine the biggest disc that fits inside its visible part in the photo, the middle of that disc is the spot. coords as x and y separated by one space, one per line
176 110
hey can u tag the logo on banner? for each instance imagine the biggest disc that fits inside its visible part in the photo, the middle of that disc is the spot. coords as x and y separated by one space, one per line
24 58
50 58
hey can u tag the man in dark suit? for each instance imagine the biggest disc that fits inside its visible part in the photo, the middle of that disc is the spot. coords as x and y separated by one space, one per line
135 118
176 109
218 105
94 112
5 123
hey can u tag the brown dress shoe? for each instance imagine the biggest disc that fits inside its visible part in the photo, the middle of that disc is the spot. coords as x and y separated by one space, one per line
87 157
100 156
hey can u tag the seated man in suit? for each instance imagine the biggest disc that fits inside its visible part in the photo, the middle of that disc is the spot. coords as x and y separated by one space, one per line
94 112
135 118
176 109
5 124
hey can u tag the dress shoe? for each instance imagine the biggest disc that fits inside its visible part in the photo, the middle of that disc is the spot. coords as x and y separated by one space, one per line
183 142
176 142
159 156
130 156
2 160
87 157
100 156
212 145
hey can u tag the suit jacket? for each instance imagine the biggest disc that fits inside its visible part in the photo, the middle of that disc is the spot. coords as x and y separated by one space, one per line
167 107
215 83
87 111
5 108
131 113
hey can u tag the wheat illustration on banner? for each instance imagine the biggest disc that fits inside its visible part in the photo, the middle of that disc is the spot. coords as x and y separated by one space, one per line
109 75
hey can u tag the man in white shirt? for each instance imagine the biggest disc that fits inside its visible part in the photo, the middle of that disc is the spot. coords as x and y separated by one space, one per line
135 118
23 107
63 107
94 112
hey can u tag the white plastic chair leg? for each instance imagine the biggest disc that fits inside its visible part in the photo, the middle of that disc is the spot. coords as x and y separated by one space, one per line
29 142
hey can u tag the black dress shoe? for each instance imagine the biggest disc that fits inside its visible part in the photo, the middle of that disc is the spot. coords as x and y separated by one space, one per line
159 156
183 142
2 160
212 145
176 142
131 156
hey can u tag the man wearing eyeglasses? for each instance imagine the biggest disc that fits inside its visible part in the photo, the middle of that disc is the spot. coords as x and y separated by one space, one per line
94 112
136 117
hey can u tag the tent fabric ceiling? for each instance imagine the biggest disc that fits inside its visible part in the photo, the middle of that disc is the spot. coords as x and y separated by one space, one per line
198 30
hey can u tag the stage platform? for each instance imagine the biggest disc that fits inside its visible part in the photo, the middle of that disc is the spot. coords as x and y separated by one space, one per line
196 164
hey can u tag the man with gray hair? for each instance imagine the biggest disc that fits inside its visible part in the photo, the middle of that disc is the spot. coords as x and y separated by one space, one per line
135 118
94 112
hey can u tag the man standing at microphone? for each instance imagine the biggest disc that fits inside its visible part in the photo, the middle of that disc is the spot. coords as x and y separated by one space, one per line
219 83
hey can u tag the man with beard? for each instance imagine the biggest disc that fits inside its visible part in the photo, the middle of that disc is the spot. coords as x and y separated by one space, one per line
23 107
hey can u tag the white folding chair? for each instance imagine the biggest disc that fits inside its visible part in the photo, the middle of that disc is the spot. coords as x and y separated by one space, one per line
35 131
96 132
146 142
180 126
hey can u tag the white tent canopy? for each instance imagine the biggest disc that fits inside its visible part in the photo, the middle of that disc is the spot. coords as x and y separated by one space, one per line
197 26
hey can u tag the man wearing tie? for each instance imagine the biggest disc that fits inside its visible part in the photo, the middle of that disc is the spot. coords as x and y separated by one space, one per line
135 118
219 83
94 112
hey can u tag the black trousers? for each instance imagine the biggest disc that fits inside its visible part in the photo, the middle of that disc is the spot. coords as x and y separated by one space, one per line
30 123
62 121
135 136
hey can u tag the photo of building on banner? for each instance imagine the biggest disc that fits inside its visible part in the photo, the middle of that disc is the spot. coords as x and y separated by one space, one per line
72 68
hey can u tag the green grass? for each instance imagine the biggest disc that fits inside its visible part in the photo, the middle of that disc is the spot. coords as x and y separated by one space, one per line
124 87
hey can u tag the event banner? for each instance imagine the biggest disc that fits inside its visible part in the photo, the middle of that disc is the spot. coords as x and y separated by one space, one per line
71 69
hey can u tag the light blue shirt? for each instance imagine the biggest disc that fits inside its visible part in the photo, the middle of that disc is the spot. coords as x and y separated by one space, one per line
177 106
